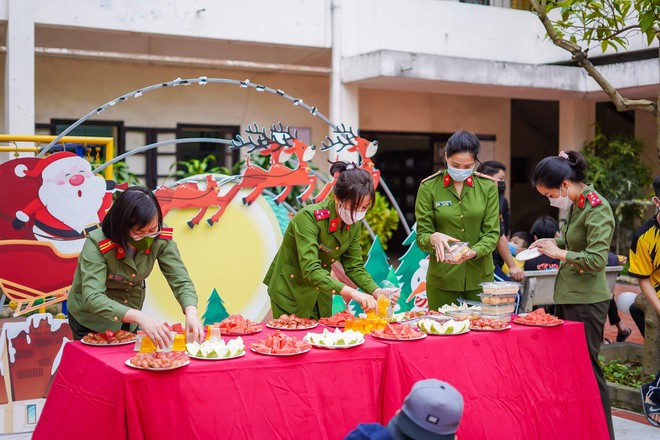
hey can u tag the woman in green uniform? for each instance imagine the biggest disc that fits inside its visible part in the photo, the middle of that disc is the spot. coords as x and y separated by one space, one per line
581 292
319 235
456 205
108 286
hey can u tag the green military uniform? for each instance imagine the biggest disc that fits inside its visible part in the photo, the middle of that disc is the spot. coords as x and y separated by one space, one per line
108 281
472 217
581 292
586 235
299 278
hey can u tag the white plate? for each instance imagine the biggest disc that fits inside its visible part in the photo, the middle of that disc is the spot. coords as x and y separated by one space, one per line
281 354
292 329
128 362
444 334
334 347
218 358
493 330
108 345
400 339
539 325
528 254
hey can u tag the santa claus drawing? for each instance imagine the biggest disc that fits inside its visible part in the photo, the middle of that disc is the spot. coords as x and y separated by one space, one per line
71 201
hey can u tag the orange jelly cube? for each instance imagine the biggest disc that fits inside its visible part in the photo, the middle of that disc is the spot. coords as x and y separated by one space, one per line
179 343
147 345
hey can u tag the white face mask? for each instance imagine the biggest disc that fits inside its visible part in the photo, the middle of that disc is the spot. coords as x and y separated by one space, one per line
458 174
561 202
349 217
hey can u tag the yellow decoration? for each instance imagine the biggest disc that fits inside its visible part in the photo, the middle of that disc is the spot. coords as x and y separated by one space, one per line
13 305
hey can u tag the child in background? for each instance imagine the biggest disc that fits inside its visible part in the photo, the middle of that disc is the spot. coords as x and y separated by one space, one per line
519 242
543 227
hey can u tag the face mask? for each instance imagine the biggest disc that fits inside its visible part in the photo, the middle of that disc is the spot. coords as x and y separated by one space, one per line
501 187
348 217
459 175
142 244
561 202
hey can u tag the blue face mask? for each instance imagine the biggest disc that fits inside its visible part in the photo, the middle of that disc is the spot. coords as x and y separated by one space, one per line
459 175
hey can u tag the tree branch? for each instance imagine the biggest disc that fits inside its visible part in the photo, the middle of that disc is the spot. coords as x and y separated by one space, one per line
579 55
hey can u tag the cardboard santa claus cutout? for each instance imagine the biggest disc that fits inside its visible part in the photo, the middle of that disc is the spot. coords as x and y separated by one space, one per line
70 203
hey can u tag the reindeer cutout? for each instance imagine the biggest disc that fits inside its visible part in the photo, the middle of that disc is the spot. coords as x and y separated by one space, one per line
347 139
281 146
189 195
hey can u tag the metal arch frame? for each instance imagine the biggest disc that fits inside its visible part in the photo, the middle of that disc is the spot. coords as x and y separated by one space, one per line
203 80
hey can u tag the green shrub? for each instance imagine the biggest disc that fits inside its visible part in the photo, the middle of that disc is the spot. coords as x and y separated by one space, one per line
383 220
623 374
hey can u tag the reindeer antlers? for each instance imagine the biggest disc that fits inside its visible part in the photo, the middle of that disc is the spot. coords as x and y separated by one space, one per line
345 137
283 135
262 139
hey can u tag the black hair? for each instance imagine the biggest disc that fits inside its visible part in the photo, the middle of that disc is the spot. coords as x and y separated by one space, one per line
553 170
463 141
524 236
353 184
544 227
491 167
656 186
137 206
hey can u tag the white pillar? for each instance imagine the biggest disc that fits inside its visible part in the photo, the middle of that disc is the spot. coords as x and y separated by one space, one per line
19 70
344 99
576 123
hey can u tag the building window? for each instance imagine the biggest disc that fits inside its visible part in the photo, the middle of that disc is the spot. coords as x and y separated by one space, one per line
224 156
31 414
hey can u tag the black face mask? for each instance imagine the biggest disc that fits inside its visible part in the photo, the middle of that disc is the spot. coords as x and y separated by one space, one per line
501 187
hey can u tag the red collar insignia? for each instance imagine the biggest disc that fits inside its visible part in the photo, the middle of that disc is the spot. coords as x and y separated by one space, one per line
334 224
121 252
447 180
469 181
581 201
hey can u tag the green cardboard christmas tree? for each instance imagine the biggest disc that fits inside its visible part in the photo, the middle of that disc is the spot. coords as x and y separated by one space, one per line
215 309
409 264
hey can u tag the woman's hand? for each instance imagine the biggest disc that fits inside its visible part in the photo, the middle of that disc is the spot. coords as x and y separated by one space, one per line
548 246
440 242
392 293
367 302
156 331
194 327
470 254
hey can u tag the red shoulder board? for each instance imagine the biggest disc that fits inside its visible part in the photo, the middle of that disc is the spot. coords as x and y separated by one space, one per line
334 224
581 201
106 245
594 199
321 214
166 233
447 180
469 181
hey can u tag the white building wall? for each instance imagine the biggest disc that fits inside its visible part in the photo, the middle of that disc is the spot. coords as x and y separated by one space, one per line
438 113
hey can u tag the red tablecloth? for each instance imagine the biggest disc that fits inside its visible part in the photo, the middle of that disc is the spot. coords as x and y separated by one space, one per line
526 383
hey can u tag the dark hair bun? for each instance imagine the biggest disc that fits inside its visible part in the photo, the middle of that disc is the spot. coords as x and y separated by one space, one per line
341 167
576 160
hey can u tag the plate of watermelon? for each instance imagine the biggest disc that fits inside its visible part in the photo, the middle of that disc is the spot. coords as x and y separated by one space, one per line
279 344
398 332
165 361
109 338
538 318
238 325
291 322
337 320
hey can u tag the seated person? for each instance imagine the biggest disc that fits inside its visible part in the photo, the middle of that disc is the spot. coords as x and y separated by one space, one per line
651 400
543 227
431 411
